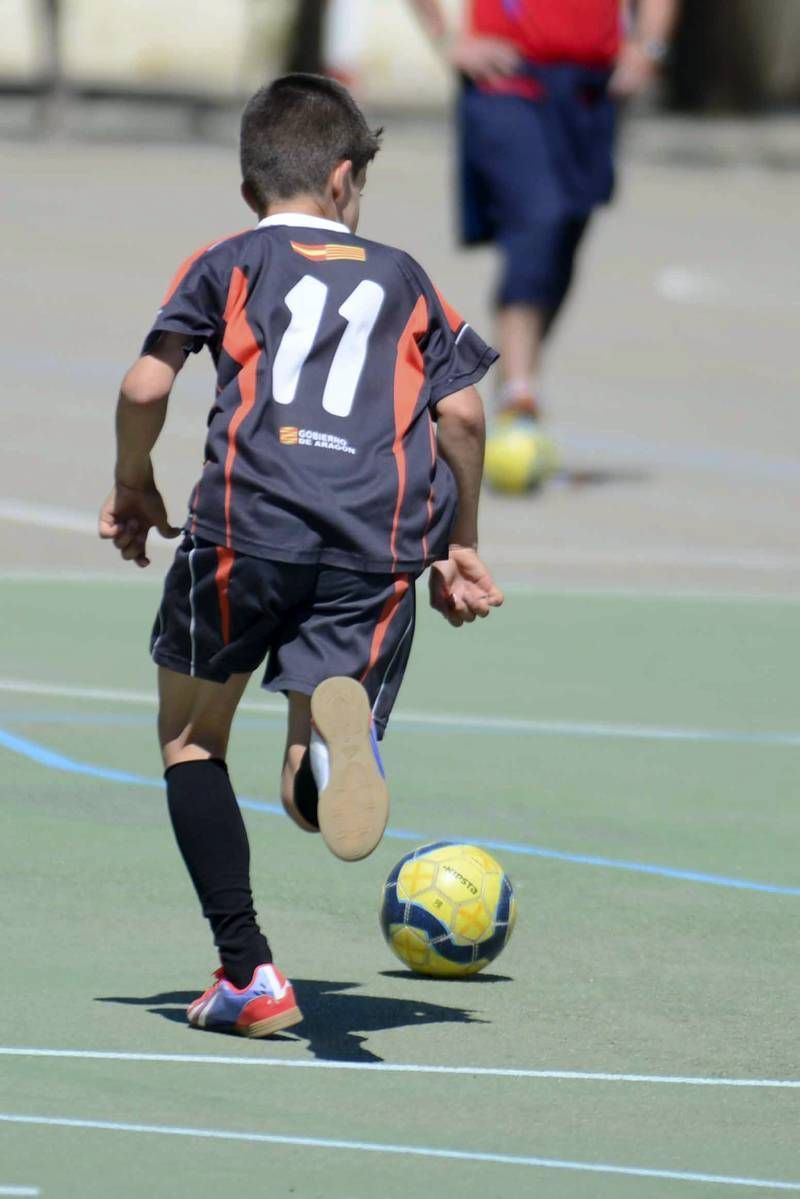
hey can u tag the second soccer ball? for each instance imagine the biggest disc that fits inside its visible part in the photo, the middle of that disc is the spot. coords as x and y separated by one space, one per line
519 457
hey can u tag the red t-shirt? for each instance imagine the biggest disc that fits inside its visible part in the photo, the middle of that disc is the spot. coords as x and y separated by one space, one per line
585 32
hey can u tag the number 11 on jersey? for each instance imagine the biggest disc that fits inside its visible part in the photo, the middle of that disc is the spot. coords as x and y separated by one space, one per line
306 302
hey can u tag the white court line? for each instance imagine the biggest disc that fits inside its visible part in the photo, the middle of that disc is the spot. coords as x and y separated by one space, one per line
193 1059
73 520
48 516
147 698
510 587
52 516
49 578
448 720
19 1191
643 555
505 1159
686 285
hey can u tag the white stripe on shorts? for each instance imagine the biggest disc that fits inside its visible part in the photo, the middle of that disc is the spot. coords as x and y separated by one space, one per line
192 621
388 670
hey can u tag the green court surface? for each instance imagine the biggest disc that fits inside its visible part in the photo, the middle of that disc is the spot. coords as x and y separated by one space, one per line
634 761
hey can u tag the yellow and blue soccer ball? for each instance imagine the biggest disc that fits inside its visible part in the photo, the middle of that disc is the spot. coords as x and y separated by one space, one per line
519 456
447 909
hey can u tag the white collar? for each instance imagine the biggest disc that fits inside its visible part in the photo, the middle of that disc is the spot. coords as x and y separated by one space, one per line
302 219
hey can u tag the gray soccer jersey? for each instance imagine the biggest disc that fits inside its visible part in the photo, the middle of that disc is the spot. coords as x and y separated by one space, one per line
331 354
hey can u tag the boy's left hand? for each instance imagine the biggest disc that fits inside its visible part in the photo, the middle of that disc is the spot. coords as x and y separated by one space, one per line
128 515
462 588
634 72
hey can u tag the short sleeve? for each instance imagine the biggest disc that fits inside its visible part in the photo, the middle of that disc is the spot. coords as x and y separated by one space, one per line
455 356
193 305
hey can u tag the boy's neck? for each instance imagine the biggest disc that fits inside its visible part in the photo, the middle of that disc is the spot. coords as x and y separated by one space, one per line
308 205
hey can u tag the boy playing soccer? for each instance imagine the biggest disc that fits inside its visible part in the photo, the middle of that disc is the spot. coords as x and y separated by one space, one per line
343 456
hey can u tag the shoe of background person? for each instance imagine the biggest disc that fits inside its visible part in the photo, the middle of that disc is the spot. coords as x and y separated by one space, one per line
525 407
265 1006
353 796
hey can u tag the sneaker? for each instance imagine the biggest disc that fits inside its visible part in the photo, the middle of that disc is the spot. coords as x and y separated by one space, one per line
353 796
526 407
266 1005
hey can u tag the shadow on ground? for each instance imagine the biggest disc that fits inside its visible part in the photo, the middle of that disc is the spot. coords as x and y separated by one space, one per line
333 1017
467 980
600 476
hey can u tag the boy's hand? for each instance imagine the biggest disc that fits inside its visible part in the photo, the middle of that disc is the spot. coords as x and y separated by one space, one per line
634 72
461 587
128 515
484 58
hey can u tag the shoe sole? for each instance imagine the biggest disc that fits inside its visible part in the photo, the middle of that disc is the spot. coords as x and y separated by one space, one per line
354 807
265 1028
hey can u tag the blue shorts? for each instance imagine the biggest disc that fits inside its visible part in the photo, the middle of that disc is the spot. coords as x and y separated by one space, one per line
536 157
223 613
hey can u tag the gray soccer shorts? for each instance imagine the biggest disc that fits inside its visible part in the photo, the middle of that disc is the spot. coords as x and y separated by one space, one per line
223 613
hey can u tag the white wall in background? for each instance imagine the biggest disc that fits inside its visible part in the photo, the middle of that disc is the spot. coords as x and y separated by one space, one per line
22 46
192 45
225 47
400 66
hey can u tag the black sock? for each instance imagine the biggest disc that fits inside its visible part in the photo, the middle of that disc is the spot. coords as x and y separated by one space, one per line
306 796
212 837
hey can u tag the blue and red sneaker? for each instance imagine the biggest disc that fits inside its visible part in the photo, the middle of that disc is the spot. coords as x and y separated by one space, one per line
347 768
265 1006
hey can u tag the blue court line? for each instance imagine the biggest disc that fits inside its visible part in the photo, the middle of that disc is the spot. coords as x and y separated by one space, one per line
56 761
432 723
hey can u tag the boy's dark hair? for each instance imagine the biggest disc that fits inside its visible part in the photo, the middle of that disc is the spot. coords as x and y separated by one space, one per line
295 131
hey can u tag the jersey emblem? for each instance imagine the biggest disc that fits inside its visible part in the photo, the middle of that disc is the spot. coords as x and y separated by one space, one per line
331 253
290 435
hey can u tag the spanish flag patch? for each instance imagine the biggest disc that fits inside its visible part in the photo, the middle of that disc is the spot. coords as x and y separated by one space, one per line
332 252
289 435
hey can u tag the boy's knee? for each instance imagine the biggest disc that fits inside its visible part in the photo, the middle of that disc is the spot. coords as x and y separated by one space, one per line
190 742
537 266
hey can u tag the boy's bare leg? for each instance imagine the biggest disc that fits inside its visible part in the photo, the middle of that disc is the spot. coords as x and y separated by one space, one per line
194 724
352 803
520 332
298 735
195 716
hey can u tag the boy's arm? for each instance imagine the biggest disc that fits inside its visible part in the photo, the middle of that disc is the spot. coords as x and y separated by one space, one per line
479 57
134 505
461 588
642 53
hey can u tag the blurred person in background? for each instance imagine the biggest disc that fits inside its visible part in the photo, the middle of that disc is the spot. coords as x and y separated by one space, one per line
541 83
329 37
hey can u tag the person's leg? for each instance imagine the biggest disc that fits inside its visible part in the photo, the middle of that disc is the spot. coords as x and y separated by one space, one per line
537 269
340 660
299 793
520 334
332 779
508 184
213 629
194 725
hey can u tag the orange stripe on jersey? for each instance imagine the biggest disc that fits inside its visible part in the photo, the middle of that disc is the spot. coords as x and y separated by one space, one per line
225 559
333 252
242 346
186 266
388 611
454 320
409 373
